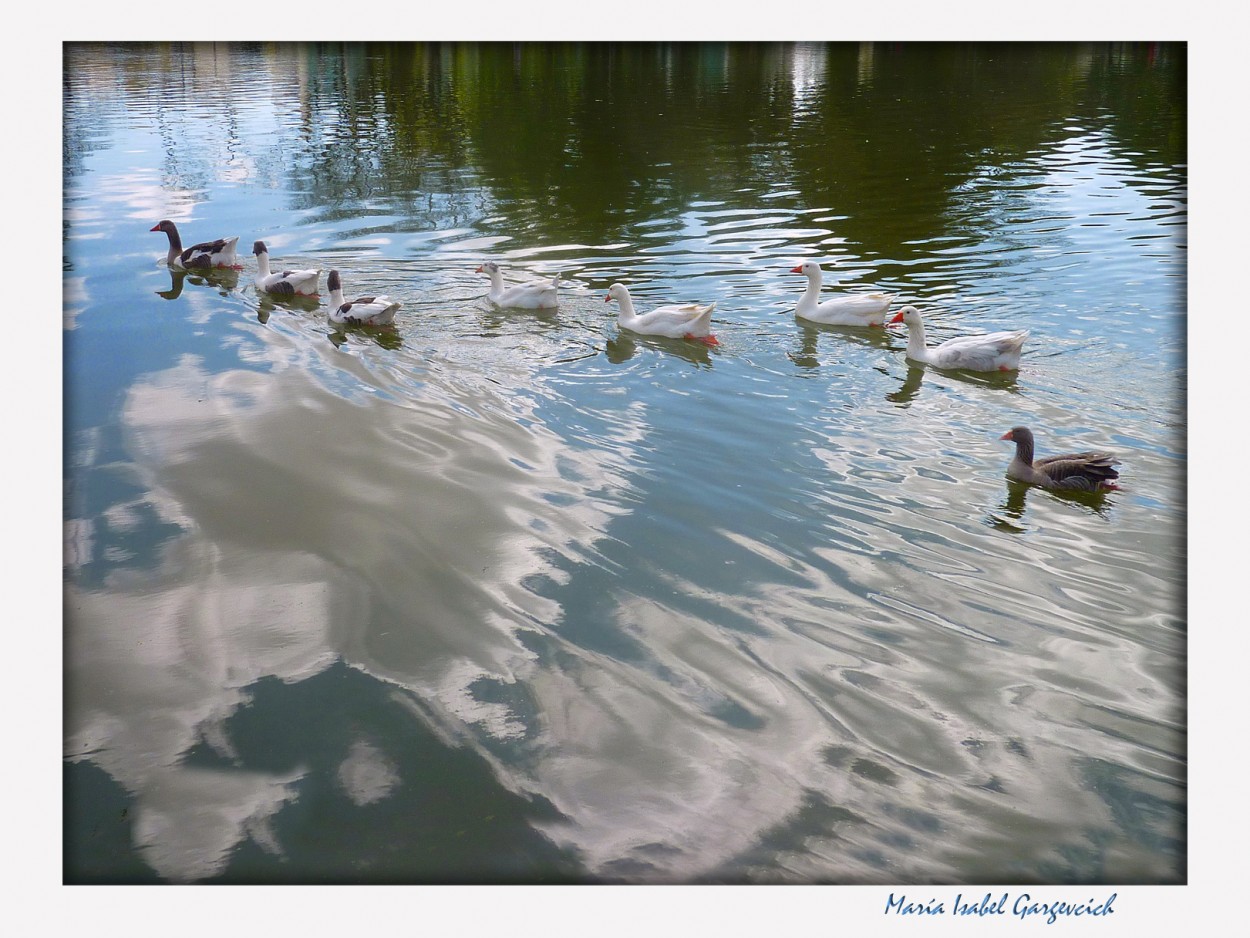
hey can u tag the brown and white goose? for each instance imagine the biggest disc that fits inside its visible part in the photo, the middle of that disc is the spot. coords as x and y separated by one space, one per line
219 253
362 311
1073 472
286 283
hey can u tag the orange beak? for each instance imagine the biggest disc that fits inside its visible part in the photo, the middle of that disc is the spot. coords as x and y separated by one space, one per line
797 270
897 318
155 228
479 270
608 298
1007 436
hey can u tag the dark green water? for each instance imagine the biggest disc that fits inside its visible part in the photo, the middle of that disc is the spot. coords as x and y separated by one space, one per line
521 597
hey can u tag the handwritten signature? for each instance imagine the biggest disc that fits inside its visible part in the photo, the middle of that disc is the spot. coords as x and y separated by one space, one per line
1024 906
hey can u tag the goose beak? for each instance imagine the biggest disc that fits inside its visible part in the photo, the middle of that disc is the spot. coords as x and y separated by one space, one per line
608 298
797 270
1007 436
479 270
155 228
897 319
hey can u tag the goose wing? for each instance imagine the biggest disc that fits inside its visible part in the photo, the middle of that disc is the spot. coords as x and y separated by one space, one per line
979 352
1086 471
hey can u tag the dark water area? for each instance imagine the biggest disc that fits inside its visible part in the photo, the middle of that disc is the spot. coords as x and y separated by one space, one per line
519 596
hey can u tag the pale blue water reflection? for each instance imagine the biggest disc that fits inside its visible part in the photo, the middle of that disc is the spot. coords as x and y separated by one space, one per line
520 596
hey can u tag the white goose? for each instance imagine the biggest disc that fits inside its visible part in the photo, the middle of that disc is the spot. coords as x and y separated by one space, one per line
690 321
219 253
286 283
522 295
854 309
362 311
997 351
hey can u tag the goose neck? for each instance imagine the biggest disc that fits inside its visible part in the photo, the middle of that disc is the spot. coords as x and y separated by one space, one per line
917 346
175 246
1024 449
627 306
811 295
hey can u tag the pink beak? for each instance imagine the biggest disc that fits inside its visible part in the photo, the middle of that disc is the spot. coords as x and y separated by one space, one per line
1007 436
608 298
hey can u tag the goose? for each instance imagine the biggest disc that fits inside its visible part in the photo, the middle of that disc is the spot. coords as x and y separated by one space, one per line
854 309
219 253
522 295
690 321
362 311
997 351
287 283
1073 472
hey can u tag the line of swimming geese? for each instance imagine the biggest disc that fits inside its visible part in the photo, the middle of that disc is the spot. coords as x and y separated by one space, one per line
997 351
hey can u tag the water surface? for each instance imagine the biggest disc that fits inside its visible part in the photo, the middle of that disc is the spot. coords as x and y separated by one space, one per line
521 597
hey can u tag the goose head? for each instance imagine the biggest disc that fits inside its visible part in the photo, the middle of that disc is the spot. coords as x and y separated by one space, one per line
334 281
616 292
810 268
488 267
908 314
166 226
1023 438
259 248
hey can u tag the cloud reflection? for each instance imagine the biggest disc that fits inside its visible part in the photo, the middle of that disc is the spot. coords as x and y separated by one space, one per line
367 774
421 524
155 663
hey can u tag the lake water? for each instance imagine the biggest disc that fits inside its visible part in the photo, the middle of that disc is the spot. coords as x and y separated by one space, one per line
506 596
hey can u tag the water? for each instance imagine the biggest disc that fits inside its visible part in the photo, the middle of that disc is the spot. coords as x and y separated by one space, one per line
521 597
